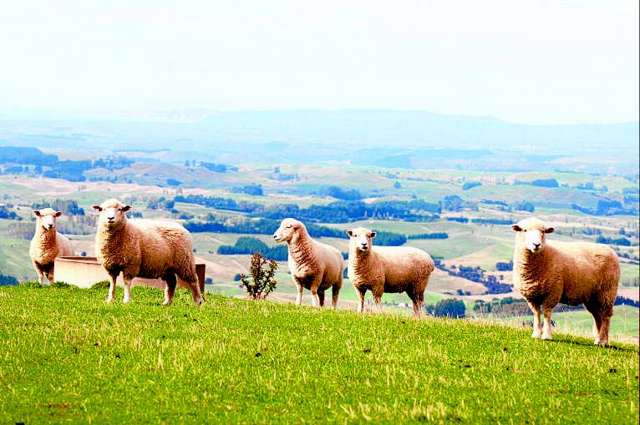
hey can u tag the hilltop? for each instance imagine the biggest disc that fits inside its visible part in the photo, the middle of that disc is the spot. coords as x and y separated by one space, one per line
67 356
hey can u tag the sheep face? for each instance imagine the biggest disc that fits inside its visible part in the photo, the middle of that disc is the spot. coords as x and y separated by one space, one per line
531 233
361 239
289 227
46 218
112 213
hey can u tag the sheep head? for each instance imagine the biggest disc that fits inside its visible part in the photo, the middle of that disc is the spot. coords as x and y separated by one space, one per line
361 239
531 233
46 218
288 230
112 213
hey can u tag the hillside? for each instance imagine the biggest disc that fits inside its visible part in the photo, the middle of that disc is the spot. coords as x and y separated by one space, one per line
65 356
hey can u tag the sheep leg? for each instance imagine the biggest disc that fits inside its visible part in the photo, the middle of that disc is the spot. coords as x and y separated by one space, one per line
603 329
603 333
39 272
195 292
335 291
300 291
315 298
537 328
321 298
170 289
546 327
127 288
377 299
594 309
112 288
361 294
50 276
417 300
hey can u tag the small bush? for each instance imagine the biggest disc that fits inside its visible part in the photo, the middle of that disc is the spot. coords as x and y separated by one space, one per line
262 280
60 285
31 284
103 284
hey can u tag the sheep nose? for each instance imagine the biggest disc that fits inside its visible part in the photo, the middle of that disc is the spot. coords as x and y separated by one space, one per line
275 236
536 245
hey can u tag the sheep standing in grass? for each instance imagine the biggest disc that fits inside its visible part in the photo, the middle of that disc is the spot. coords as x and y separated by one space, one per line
387 269
313 265
568 272
144 248
47 244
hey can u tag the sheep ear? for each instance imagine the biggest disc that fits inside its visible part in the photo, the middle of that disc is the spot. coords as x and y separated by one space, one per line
36 213
125 208
96 207
57 214
373 234
516 228
549 230
349 233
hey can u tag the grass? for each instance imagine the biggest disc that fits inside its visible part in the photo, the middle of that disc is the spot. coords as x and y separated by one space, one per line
65 356
624 323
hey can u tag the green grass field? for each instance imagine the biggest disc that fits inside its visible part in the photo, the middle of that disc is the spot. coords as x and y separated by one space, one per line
65 356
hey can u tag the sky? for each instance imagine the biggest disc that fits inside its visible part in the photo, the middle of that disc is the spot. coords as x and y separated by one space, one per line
546 62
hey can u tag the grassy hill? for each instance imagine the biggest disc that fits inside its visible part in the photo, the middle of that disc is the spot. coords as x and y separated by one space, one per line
65 356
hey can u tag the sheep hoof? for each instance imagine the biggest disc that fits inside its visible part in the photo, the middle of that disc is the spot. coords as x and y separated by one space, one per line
601 343
536 335
546 337
126 300
108 300
166 302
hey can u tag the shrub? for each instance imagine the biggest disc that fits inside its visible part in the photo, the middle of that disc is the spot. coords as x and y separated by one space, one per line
448 308
31 284
7 280
504 266
524 206
434 235
250 189
103 284
249 245
470 185
545 183
262 280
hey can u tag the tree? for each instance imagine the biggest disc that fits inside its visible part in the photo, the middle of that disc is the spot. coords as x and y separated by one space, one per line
448 308
262 280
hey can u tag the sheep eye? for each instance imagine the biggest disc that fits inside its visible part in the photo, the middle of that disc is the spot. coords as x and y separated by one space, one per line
289 226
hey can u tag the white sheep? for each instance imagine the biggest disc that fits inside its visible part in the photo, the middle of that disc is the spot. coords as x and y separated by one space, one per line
313 265
144 248
47 244
387 269
573 273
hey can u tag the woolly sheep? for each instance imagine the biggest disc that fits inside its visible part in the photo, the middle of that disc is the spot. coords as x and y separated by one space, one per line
47 244
549 272
144 248
387 269
313 265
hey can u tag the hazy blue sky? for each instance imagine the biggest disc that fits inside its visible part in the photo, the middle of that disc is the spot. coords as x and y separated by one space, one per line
526 61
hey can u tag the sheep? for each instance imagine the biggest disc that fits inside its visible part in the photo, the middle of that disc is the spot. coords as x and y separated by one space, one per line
313 265
387 269
144 248
549 272
47 244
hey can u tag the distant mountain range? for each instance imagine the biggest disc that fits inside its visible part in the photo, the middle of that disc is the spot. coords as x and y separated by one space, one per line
326 134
